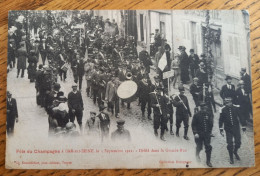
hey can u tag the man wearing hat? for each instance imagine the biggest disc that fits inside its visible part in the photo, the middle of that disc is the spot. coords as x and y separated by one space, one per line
228 90
121 134
202 126
247 81
160 111
201 74
104 122
75 104
11 112
184 65
11 53
194 63
92 127
195 91
230 118
244 102
182 111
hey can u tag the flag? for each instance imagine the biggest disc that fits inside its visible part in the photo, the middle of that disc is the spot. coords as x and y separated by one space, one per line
162 62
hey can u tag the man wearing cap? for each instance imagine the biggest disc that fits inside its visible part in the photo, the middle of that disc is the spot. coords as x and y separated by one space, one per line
247 81
195 91
230 118
104 122
145 59
202 126
38 84
32 60
244 102
11 112
75 104
160 111
92 127
157 39
102 86
145 88
80 71
111 96
43 50
182 111
94 83
47 83
184 65
121 134
201 74
228 90
194 63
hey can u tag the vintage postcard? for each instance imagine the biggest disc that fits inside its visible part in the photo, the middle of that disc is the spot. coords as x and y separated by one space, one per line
105 89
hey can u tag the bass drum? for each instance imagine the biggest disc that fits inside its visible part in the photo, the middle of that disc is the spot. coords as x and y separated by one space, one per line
127 91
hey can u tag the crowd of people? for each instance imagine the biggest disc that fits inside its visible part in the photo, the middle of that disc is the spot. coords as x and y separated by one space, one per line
93 48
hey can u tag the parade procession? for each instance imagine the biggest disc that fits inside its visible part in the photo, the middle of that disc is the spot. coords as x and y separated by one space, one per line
102 74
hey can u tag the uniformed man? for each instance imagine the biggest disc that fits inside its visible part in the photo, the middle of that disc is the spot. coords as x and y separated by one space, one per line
182 111
121 134
160 111
104 122
231 119
202 126
12 114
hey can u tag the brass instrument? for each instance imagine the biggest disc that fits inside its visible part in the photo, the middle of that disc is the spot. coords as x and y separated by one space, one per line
129 76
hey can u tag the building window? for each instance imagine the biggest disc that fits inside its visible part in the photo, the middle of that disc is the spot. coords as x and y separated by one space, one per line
142 26
162 29
233 46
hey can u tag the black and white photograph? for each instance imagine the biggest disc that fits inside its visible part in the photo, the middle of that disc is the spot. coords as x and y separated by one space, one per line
107 89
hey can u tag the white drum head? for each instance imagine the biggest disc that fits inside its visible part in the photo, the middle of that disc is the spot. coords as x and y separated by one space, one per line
127 89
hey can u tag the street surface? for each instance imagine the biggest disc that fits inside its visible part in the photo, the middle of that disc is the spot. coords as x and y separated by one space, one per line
33 125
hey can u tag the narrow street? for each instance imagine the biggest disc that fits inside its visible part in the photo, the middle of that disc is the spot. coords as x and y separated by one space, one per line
32 127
